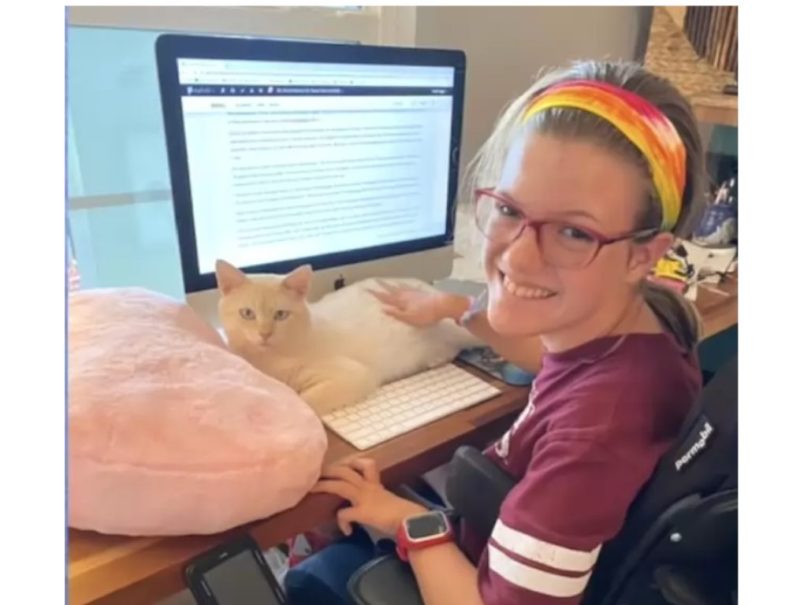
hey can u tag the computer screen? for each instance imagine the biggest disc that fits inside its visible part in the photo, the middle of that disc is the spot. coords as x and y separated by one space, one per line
311 152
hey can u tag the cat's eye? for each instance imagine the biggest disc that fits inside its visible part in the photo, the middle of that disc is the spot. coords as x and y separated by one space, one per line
247 313
281 314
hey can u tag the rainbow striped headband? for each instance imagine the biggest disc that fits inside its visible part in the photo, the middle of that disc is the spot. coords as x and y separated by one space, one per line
640 121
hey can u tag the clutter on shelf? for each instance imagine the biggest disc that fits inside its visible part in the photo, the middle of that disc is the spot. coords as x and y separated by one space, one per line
718 226
712 251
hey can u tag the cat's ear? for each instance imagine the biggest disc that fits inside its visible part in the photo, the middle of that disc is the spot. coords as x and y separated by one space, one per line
299 280
229 277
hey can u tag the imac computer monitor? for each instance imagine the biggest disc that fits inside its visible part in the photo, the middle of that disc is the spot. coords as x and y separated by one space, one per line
342 156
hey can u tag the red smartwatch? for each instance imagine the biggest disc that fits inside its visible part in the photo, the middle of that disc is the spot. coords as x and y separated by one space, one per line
422 531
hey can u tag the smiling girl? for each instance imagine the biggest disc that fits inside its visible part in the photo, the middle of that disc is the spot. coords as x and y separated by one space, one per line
581 188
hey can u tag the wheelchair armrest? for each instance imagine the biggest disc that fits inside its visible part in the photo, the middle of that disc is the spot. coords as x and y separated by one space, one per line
476 487
384 581
406 491
679 586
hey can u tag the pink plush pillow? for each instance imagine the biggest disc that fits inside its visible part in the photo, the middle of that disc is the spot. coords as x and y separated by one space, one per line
170 432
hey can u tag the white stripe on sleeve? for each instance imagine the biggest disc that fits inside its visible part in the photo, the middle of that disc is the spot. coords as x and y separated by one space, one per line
545 553
533 579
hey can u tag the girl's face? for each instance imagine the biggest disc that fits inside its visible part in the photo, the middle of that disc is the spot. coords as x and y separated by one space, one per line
577 185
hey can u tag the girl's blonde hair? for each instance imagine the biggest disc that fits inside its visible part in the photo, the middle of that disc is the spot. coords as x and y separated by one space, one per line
672 309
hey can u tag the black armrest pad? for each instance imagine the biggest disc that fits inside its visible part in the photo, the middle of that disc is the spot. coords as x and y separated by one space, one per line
384 581
476 487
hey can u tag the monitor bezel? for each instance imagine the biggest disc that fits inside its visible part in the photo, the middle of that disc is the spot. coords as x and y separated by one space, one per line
171 47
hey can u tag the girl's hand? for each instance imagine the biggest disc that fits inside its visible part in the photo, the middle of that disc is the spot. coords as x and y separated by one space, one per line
358 481
418 307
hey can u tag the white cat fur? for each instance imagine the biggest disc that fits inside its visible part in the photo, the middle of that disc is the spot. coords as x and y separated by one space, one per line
350 346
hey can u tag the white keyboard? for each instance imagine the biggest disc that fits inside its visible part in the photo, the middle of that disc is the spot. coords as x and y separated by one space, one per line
405 405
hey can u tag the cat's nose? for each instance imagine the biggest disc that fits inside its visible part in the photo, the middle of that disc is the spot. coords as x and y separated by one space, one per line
265 335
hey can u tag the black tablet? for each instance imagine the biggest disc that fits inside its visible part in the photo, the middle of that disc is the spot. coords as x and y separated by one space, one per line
235 573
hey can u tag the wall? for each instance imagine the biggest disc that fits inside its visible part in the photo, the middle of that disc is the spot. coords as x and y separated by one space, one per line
506 47
366 25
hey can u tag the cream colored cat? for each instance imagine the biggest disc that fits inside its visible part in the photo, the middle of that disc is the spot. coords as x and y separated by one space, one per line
333 352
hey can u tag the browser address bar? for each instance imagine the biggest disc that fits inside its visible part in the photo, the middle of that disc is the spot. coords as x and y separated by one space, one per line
327 74
319 79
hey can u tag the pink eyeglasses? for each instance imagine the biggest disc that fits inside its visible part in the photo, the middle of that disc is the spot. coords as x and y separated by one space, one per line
561 244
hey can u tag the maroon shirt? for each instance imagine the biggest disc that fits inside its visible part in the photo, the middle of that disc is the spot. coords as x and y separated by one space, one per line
598 419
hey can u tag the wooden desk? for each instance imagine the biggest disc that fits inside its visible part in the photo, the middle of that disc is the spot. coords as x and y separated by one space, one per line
113 570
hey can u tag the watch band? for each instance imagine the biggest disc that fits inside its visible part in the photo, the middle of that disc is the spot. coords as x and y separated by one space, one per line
405 544
477 305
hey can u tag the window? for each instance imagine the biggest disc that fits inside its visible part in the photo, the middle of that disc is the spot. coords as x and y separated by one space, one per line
121 218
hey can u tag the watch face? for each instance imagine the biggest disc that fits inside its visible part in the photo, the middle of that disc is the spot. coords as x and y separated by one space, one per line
426 526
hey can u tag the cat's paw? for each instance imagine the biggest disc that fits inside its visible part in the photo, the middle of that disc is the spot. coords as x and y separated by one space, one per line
324 402
337 383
